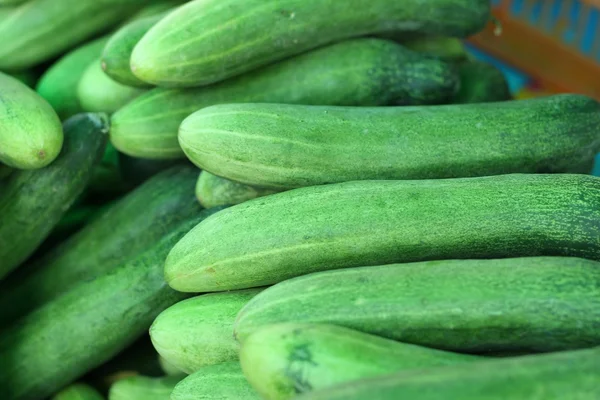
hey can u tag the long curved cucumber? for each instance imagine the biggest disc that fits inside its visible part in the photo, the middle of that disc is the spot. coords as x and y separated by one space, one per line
31 135
213 191
143 388
34 201
78 391
361 72
284 360
288 146
207 41
130 226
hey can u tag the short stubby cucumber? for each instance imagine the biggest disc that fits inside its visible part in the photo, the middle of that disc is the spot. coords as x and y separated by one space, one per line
62 340
58 85
361 72
31 135
354 224
78 391
531 304
34 201
288 146
556 376
481 82
97 91
284 360
216 382
213 191
207 41
131 225
143 388
199 331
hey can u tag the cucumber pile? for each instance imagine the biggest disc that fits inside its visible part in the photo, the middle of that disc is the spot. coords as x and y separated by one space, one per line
288 199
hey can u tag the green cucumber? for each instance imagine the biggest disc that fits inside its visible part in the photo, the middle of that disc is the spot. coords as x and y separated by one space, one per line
143 388
168 368
361 72
96 91
31 136
447 48
58 85
284 360
481 82
558 376
207 41
88 324
130 226
4 3
78 391
34 201
156 7
136 171
288 146
39 30
216 382
532 304
354 224
198 331
213 191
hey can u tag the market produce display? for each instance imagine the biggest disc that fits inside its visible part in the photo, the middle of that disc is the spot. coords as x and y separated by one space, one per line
284 199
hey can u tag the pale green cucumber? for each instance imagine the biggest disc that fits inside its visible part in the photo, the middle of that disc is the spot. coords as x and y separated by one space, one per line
78 391
168 368
143 388
213 191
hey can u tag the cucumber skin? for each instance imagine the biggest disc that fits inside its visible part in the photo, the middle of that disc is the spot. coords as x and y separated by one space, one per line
34 201
207 41
143 388
362 223
78 391
31 135
213 191
63 340
284 360
283 146
113 238
481 82
567 375
361 72
215 382
58 85
532 304
198 332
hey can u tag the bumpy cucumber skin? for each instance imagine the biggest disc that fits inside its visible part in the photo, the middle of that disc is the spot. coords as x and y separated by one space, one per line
362 223
143 388
59 83
113 238
31 135
97 91
361 72
207 41
198 332
284 360
569 375
480 83
532 304
213 191
62 340
288 146
34 201
78 391
215 382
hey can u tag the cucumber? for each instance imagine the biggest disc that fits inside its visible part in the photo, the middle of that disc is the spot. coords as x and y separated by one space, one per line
130 226
213 191
557 376
215 382
39 30
284 360
62 340
117 52
143 388
58 85
31 136
78 391
136 171
532 304
481 82
207 41
355 224
447 48
288 146
156 7
34 201
96 91
361 72
168 368
198 331
4 3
